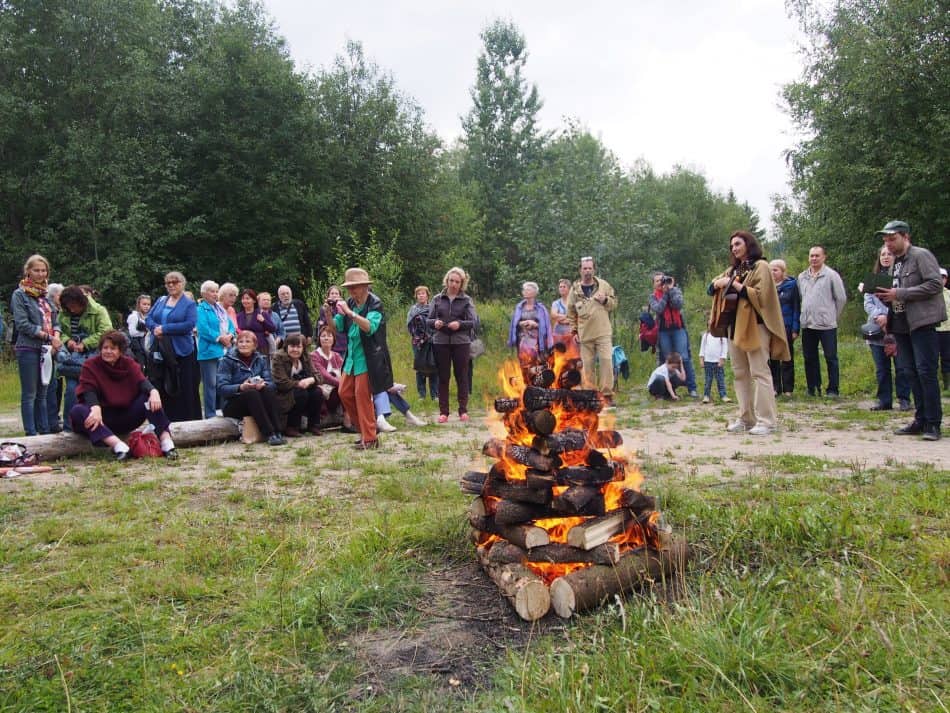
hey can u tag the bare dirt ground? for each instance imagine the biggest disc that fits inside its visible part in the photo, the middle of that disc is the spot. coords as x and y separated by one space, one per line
464 627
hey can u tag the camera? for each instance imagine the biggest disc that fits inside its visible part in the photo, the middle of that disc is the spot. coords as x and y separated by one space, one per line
256 379
666 280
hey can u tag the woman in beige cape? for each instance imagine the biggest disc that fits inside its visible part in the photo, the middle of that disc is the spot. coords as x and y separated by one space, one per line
757 335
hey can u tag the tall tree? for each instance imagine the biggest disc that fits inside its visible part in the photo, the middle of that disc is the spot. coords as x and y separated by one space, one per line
874 102
502 139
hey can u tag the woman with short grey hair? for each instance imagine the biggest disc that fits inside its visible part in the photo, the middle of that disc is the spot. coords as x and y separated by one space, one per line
216 334
530 329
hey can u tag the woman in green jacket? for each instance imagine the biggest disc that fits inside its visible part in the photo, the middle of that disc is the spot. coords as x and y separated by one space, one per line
82 323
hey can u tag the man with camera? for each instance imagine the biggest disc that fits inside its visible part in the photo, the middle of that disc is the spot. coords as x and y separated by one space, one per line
589 304
666 303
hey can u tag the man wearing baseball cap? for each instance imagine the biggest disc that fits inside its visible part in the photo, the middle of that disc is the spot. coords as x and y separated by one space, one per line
916 307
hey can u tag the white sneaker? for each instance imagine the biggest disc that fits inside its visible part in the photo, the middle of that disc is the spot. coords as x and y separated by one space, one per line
383 425
737 426
760 430
726 399
705 399
414 420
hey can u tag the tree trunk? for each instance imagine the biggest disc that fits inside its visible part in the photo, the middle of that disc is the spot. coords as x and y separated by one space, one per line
588 588
185 434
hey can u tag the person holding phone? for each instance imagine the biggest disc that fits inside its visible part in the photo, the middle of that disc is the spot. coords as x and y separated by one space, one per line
245 387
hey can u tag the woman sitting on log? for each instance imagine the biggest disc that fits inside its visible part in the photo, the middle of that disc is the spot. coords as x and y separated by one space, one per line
245 387
329 365
113 396
298 387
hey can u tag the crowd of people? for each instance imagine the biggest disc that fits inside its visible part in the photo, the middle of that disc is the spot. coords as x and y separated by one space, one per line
182 359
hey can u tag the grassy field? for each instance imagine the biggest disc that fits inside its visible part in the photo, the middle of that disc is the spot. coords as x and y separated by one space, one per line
226 583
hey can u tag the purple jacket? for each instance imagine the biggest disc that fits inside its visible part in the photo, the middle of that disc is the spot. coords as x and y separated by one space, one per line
545 336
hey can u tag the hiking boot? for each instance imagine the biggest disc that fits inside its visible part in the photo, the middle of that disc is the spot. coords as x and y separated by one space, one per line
914 428
931 433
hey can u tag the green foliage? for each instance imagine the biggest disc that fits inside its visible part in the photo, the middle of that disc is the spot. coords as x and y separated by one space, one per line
502 140
875 104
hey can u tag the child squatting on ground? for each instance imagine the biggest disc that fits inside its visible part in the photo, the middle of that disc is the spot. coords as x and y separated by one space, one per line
667 377
714 351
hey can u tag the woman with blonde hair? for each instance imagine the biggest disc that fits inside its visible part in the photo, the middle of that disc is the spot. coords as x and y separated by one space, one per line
37 338
452 317
173 363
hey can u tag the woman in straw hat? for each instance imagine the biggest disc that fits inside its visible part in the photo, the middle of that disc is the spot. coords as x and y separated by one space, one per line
367 369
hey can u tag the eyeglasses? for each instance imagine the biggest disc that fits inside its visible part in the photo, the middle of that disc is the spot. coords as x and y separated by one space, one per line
172 282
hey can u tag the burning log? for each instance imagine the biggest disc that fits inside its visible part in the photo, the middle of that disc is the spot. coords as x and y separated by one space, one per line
512 512
637 502
588 588
569 378
497 448
595 532
574 399
542 422
544 378
525 536
507 405
606 439
579 500
523 588
556 553
585 475
518 492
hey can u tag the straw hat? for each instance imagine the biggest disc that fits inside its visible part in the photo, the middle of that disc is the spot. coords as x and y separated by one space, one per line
356 276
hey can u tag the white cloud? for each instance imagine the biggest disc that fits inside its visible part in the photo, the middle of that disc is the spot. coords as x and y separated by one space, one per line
690 83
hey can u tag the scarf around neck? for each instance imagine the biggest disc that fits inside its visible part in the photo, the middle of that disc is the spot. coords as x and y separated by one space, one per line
33 289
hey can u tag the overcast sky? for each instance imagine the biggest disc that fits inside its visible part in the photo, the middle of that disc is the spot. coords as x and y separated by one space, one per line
694 83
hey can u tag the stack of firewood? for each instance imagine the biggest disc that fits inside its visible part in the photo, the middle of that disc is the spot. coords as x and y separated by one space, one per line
559 520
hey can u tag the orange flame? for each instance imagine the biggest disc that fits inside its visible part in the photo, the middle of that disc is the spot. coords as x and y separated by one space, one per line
549 571
558 527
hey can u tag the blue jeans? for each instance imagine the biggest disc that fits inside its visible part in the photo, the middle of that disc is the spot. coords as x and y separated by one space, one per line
917 355
714 371
32 393
882 369
677 340
69 400
209 385
828 338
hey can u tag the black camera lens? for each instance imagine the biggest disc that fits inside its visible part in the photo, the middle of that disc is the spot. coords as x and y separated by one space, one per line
667 280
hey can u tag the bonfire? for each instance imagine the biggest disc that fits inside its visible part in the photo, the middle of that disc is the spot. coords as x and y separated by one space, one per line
560 521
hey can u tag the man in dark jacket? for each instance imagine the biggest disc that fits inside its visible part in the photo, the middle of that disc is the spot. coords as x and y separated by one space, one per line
916 307
293 314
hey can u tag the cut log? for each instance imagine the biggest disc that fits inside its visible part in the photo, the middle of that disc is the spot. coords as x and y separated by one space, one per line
572 439
575 399
518 491
525 590
512 512
544 378
590 587
525 536
542 422
637 502
497 448
556 553
591 533
569 378
185 434
579 500
537 480
478 515
584 475
606 439
507 405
